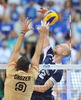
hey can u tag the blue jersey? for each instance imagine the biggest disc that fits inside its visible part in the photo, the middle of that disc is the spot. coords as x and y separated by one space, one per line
45 74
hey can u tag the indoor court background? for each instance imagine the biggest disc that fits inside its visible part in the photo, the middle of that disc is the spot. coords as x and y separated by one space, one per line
11 11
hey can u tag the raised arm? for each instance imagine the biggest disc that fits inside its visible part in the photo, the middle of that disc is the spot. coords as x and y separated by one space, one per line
56 77
43 30
24 29
46 39
42 10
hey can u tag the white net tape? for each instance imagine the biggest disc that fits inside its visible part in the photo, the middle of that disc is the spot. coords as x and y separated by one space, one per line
69 88
58 66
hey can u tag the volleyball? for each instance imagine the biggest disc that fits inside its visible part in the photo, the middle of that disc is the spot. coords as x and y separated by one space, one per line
51 17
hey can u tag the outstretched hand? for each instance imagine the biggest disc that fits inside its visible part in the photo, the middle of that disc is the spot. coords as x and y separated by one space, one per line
44 29
24 25
42 10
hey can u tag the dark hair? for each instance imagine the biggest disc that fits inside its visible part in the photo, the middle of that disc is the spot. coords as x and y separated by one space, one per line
23 63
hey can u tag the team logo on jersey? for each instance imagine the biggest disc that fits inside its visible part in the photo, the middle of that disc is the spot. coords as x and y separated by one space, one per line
20 86
46 66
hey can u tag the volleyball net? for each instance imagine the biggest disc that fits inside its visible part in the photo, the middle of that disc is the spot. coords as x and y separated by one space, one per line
69 88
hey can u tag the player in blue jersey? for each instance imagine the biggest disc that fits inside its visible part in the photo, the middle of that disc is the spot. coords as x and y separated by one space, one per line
47 78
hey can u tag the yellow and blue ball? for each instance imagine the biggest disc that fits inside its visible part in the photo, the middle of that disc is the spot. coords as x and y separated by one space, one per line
51 17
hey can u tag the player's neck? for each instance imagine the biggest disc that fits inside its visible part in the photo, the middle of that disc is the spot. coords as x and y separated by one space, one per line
57 59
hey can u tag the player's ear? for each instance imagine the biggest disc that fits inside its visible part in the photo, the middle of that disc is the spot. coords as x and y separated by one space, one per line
64 53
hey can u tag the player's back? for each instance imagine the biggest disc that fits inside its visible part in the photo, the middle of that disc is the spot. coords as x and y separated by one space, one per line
19 85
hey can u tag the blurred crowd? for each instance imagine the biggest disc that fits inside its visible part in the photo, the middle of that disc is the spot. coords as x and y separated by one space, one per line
68 24
76 32
11 11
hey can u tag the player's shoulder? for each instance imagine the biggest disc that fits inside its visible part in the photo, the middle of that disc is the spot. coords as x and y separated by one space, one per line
33 70
11 68
11 64
33 67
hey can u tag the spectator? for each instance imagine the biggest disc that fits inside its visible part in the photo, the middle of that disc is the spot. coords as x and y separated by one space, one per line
17 2
60 29
79 97
78 48
37 22
31 12
1 12
40 2
76 27
67 10
5 53
12 40
74 54
6 26
2 38
12 12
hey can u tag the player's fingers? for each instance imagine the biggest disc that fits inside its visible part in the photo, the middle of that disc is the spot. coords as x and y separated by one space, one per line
31 28
23 19
37 27
47 27
48 24
41 22
44 23
20 22
39 10
42 8
28 22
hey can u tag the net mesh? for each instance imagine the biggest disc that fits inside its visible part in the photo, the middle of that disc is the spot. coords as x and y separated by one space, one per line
69 88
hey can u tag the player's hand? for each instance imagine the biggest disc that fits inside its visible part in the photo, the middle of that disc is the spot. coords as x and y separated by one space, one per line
25 25
42 10
44 29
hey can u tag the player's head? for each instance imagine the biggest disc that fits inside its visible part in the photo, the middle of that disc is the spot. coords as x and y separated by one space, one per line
23 64
62 50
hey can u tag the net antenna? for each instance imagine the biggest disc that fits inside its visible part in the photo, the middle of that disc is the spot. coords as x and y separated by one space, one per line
68 70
